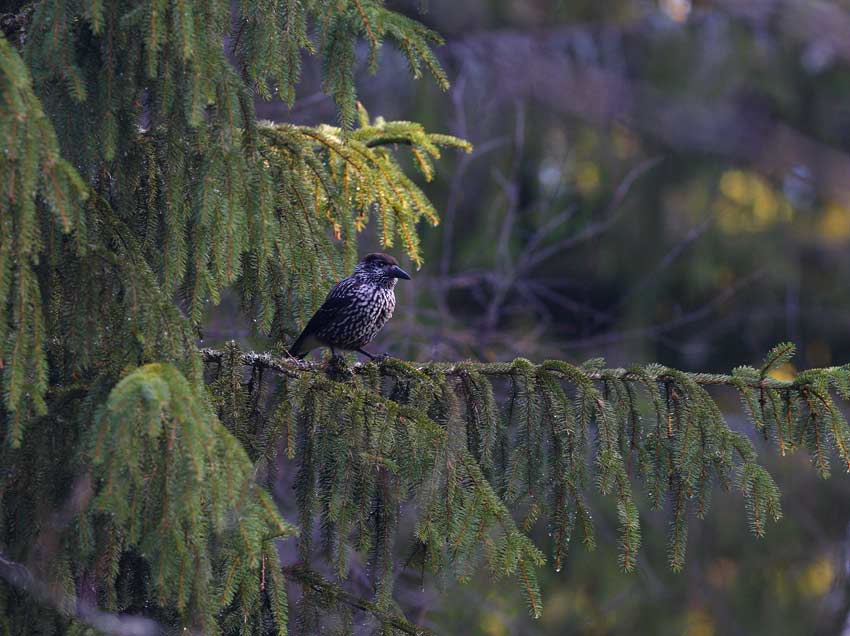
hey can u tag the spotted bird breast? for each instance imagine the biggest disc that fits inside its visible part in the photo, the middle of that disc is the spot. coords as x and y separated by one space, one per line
379 309
366 309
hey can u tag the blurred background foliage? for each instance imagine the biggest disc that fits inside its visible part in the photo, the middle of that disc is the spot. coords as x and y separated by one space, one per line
652 180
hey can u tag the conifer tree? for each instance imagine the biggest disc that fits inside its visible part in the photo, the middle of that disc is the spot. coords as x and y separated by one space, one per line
135 185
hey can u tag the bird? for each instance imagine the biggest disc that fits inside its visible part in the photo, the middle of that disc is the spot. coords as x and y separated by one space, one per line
355 310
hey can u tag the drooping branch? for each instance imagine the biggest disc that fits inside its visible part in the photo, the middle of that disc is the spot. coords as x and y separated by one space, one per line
334 592
19 576
491 441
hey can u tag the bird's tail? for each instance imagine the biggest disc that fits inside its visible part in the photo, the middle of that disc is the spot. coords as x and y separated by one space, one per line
305 343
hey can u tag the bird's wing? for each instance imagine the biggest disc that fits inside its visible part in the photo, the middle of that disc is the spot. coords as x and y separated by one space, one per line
339 298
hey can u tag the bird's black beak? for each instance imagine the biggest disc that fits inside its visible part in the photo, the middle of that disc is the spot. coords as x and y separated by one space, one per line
397 272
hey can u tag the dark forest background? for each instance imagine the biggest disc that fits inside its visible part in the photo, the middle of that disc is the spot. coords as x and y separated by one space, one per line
652 181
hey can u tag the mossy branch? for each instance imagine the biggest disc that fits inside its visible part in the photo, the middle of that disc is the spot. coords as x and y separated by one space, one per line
293 367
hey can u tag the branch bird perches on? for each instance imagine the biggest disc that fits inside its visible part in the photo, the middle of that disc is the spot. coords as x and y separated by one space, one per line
503 437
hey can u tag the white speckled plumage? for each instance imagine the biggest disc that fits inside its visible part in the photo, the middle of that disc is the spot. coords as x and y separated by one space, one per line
356 309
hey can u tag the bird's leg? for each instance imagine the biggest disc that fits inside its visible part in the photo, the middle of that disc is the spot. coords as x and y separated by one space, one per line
380 356
333 353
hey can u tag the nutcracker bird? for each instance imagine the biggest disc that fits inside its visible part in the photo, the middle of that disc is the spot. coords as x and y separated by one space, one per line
355 309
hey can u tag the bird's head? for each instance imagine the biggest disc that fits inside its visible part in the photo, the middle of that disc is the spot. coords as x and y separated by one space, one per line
382 268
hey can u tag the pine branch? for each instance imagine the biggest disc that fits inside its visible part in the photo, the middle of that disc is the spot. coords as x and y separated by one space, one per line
332 591
293 367
452 406
19 576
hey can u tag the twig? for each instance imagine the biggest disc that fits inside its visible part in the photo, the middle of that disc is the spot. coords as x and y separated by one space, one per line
658 329
326 588
611 215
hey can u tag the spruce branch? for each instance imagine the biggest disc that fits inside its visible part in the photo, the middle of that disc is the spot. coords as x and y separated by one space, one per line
294 367
333 592
19 576
530 448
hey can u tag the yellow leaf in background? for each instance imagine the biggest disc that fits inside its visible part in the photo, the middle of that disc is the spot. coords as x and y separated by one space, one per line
735 185
587 177
750 203
492 625
730 217
816 579
765 204
834 225
698 623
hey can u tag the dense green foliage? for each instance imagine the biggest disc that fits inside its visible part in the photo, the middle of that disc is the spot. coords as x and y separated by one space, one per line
104 222
472 463
136 185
